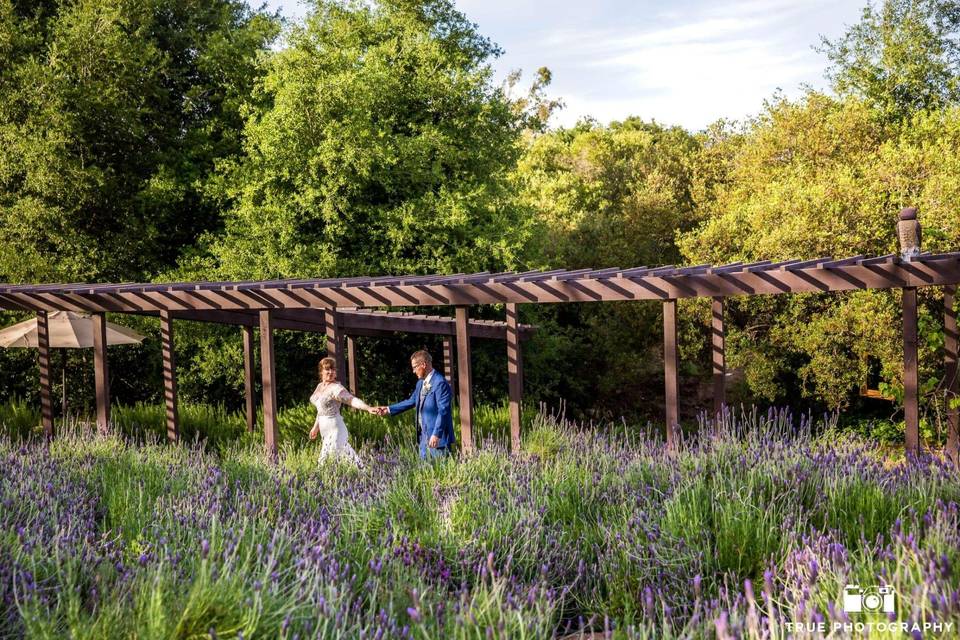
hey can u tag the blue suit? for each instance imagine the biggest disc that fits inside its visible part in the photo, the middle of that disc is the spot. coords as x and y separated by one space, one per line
436 414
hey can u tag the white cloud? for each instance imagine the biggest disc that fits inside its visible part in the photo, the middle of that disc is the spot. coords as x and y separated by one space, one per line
687 62
689 69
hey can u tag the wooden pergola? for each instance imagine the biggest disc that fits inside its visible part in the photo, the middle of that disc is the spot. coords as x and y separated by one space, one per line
341 306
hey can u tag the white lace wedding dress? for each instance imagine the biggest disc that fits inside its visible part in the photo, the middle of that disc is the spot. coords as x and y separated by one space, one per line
327 398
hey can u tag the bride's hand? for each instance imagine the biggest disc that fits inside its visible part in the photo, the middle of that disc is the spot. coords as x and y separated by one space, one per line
314 432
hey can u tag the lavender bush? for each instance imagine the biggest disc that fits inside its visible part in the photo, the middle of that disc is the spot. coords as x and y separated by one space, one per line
752 529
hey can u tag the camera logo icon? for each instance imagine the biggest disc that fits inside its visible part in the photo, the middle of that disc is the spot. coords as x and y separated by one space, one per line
857 599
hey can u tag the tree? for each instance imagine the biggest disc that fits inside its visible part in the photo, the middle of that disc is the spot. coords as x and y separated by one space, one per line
817 177
606 196
902 57
112 115
377 144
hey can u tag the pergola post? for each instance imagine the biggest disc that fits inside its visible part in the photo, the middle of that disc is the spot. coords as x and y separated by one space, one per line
46 394
514 356
335 340
718 352
951 386
670 370
100 371
268 374
449 370
465 381
169 376
911 405
248 378
353 381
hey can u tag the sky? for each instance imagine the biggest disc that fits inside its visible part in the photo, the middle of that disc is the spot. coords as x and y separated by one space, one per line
686 62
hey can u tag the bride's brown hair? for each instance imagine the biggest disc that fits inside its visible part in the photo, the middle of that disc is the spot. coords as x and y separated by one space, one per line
326 364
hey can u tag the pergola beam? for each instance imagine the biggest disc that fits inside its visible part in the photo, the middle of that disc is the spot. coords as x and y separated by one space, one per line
268 375
357 323
168 356
950 340
465 377
353 381
335 341
43 352
513 374
671 372
248 373
336 307
100 371
718 355
660 284
449 366
911 405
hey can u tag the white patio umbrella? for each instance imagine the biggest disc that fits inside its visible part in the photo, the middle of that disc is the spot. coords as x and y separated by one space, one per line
68 330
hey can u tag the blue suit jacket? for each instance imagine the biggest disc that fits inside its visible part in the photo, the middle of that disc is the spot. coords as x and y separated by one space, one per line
437 412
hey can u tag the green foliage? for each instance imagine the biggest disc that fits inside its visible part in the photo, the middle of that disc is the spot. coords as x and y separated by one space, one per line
111 115
608 195
19 419
162 139
376 143
605 196
902 57
818 177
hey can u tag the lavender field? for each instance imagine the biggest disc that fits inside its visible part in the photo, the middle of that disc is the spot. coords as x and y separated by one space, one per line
752 530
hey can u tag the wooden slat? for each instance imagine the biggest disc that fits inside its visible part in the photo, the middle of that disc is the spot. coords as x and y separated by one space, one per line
101 372
268 372
692 270
248 368
766 265
911 406
465 382
168 356
335 338
635 272
43 353
890 257
662 283
671 372
718 356
542 275
835 264
570 275
668 269
514 356
952 385
806 264
449 366
352 380
725 268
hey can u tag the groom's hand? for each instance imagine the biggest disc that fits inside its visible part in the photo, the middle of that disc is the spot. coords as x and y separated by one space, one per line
434 441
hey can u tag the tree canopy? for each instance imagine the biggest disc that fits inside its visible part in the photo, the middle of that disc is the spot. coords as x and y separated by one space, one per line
166 139
376 143
112 114
902 57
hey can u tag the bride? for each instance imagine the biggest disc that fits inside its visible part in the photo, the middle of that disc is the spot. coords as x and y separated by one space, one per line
327 398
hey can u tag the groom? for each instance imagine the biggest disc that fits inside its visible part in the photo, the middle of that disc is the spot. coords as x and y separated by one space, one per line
431 399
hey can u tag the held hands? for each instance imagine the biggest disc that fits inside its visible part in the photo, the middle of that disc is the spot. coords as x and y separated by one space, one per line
380 411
